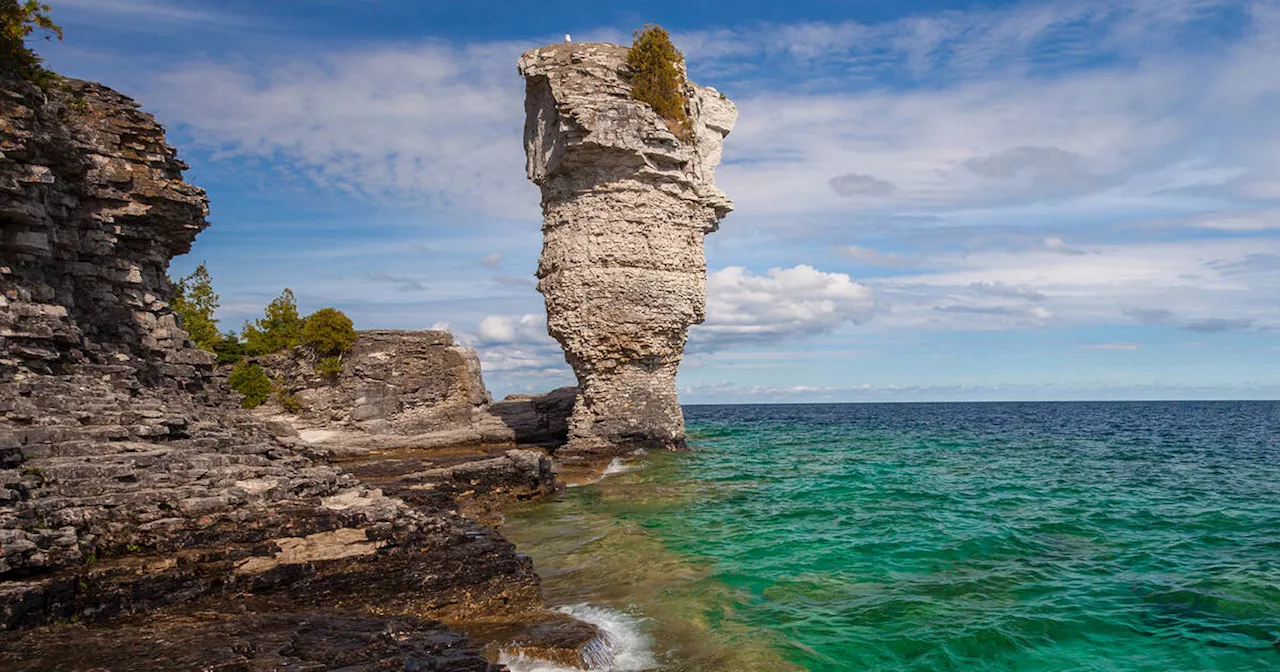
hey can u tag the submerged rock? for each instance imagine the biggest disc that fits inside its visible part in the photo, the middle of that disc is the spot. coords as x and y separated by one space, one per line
626 206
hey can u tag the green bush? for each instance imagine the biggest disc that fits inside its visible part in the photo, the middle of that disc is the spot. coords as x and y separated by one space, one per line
280 328
229 349
251 381
657 79
195 302
328 333
329 366
289 403
18 20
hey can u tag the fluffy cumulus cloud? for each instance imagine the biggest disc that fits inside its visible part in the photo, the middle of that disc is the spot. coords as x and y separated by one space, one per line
516 347
782 304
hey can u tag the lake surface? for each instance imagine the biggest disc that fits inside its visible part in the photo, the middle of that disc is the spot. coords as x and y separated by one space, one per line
985 536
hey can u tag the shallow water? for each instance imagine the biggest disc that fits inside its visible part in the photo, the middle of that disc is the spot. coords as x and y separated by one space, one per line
1107 536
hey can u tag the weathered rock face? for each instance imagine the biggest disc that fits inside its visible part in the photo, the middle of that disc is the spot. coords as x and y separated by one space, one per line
626 207
129 478
93 207
401 382
411 389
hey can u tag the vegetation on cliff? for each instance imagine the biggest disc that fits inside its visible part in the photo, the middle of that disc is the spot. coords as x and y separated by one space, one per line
326 334
251 382
658 80
280 327
18 20
196 302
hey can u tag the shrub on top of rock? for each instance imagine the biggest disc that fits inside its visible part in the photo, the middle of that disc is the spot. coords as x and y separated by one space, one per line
658 80
252 382
327 334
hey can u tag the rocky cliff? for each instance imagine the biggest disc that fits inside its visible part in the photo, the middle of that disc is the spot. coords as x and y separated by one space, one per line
411 388
626 206
131 483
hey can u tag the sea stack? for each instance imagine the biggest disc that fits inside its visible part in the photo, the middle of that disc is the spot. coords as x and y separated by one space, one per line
626 205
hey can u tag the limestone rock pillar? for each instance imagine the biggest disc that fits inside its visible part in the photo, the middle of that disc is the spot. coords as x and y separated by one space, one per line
626 206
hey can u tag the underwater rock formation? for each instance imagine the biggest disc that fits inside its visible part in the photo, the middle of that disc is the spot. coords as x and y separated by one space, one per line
626 207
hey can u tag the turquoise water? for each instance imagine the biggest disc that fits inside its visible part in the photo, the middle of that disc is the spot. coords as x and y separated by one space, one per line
1109 536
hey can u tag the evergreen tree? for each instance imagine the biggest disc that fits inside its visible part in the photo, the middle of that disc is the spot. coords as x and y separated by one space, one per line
229 348
280 328
250 380
657 79
196 304
18 20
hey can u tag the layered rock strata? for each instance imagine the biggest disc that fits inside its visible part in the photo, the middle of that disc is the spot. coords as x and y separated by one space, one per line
411 389
130 481
626 207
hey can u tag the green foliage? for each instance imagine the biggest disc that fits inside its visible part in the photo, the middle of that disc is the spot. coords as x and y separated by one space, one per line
229 348
328 333
658 80
251 381
18 20
196 303
280 328
290 403
330 367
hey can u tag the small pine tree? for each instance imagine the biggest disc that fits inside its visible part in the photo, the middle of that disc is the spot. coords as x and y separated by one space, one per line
280 328
658 80
18 20
229 349
196 304
252 382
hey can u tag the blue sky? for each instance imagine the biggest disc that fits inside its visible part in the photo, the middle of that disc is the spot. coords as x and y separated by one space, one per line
935 201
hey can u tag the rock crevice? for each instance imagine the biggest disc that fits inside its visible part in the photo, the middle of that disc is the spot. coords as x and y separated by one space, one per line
626 207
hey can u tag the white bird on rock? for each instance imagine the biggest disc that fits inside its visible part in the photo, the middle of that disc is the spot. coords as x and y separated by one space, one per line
566 38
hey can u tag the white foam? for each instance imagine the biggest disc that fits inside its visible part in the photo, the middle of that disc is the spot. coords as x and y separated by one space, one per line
617 466
622 647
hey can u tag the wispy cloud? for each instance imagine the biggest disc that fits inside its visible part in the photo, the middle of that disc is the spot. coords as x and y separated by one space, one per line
1109 346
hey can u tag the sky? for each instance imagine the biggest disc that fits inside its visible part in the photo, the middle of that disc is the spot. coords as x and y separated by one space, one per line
934 200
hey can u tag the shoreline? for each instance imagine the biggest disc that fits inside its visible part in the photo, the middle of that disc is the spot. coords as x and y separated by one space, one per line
587 551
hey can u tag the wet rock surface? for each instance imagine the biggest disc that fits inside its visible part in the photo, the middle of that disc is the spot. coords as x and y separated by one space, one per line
626 206
253 635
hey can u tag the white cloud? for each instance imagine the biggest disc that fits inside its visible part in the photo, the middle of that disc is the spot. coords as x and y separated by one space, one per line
781 305
1109 346
499 329
517 347
431 122
491 260
1199 285
148 12
870 257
